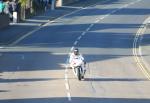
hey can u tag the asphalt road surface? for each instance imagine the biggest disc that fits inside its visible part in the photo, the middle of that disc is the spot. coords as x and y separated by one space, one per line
33 68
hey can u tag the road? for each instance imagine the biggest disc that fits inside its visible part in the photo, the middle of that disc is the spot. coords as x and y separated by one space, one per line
33 68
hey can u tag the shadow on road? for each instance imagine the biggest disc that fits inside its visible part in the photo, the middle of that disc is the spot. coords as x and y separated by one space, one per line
78 100
114 79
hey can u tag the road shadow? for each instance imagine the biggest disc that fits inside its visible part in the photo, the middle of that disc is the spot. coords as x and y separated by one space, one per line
114 79
31 61
78 100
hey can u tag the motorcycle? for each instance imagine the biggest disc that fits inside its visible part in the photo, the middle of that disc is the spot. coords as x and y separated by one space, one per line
77 68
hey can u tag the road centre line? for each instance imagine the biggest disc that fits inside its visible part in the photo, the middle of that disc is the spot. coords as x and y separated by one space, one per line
72 48
88 29
75 43
79 37
66 70
91 25
67 86
69 96
83 33
66 76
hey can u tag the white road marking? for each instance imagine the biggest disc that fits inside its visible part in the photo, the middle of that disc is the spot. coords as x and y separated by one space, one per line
66 76
24 36
69 96
102 18
73 7
79 37
66 70
88 29
67 86
75 43
91 25
59 53
97 21
72 48
83 33
137 50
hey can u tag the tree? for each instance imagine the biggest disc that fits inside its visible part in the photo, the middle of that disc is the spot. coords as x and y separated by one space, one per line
23 8
23 3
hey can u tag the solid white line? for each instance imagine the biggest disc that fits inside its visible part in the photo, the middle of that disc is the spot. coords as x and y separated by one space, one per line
102 18
66 76
67 86
66 70
59 53
73 7
24 36
69 96
114 11
97 21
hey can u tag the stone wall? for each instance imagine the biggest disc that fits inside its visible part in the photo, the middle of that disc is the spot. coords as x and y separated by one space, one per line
64 2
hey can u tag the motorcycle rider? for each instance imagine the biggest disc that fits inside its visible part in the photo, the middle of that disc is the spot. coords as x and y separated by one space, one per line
76 54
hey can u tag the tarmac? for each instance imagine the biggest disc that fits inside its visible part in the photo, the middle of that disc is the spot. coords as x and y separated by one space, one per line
16 30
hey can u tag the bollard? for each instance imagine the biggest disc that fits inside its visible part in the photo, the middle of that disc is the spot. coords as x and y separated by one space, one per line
53 5
15 17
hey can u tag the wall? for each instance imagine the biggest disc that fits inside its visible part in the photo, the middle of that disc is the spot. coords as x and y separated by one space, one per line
4 20
64 2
